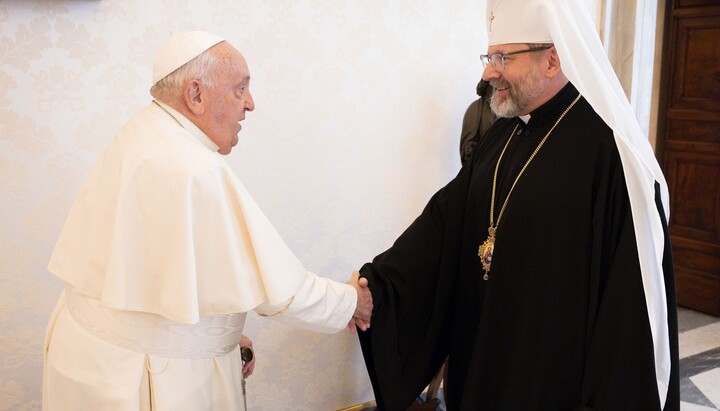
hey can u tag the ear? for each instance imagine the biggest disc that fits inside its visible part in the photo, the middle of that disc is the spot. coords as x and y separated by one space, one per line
553 63
193 97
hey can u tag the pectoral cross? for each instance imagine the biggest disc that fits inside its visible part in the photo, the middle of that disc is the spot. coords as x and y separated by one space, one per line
492 17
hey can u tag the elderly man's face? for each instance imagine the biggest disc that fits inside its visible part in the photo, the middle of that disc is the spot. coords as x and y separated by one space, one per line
519 85
228 100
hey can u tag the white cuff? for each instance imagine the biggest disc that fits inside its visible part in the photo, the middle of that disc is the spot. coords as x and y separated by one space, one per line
320 305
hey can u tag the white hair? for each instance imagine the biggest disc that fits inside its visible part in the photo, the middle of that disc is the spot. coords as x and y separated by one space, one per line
201 68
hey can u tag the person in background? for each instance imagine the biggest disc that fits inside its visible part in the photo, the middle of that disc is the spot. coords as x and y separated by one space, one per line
477 120
543 271
164 252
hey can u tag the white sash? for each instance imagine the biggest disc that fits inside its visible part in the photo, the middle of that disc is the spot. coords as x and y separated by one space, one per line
212 336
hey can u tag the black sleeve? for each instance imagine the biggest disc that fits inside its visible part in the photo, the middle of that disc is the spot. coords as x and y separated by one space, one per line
620 371
412 283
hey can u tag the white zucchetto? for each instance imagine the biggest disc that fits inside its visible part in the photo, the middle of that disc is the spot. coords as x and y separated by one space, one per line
179 49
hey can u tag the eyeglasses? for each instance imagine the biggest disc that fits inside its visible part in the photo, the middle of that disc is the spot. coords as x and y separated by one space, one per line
498 59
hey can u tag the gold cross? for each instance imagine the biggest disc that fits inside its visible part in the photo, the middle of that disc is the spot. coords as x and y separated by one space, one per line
492 17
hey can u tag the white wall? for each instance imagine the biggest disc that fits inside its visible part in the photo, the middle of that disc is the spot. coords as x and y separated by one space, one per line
359 106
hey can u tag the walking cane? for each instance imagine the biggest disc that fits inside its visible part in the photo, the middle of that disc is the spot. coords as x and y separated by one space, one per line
246 354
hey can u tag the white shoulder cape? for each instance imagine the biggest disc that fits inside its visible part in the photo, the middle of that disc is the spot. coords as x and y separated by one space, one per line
162 225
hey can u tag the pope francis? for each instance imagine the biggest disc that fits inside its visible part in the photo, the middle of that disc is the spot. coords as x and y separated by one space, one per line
164 252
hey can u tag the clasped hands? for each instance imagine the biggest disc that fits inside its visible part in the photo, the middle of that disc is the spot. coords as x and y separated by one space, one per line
364 308
361 317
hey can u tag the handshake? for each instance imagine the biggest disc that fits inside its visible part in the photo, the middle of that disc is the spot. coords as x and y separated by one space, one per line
364 309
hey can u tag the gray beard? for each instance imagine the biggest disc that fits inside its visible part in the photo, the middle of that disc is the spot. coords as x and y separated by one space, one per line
527 89
507 108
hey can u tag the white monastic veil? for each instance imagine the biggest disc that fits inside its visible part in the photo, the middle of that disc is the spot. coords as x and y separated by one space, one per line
568 24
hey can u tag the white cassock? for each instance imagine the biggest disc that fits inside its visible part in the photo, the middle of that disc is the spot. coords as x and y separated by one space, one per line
163 253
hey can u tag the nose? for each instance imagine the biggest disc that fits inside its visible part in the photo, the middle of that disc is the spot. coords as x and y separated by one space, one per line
249 102
490 73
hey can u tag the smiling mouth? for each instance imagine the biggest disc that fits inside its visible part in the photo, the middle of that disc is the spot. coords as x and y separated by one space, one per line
501 87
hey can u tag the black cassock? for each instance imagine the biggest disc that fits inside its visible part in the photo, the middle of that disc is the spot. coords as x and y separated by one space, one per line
562 322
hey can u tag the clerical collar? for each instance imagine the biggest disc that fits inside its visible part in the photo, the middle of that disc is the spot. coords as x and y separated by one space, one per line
189 126
549 112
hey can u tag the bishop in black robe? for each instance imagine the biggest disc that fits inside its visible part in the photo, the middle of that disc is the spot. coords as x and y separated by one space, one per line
561 323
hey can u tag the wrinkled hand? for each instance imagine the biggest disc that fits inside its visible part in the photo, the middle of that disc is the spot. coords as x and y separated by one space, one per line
248 367
363 311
